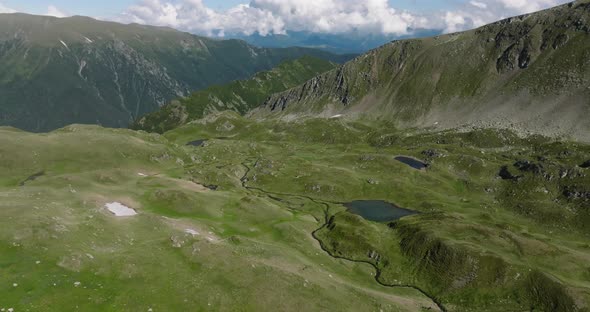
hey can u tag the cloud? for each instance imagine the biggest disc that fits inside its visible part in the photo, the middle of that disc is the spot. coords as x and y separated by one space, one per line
527 6
4 9
275 16
477 13
322 16
54 11
478 4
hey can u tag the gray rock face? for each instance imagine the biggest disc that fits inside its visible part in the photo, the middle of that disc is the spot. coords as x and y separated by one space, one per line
574 193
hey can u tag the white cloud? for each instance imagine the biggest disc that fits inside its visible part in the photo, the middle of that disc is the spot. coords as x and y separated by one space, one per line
481 12
526 6
478 4
275 16
454 22
323 16
54 11
4 9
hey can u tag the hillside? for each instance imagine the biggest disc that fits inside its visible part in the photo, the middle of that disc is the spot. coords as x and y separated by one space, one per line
239 96
55 72
530 73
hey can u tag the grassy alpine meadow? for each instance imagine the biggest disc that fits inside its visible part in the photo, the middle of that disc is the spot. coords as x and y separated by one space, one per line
253 219
189 248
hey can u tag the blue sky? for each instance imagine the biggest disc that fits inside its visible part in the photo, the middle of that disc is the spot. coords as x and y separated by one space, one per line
218 17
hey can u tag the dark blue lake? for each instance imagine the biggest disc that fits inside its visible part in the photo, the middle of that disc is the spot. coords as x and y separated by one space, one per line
378 210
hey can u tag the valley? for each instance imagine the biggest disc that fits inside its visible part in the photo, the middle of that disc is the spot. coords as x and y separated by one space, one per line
163 171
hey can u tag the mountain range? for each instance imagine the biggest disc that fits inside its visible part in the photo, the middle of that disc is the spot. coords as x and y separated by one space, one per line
353 42
58 71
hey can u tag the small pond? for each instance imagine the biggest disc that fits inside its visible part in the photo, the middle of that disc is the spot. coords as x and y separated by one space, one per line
197 143
412 162
378 210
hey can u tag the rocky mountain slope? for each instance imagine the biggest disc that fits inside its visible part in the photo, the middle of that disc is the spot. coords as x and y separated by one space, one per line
529 73
55 72
240 96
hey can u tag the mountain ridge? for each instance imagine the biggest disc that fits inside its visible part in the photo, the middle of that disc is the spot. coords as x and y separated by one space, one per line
58 71
514 73
239 96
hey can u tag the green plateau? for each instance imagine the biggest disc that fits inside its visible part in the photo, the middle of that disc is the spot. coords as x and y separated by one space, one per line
257 212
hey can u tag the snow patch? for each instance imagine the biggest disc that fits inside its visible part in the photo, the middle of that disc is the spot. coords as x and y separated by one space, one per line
81 68
191 232
336 116
64 44
141 174
120 210
88 40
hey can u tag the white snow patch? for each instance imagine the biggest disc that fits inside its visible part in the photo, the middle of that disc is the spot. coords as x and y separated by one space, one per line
65 45
81 68
141 174
336 116
191 232
120 210
76 284
88 40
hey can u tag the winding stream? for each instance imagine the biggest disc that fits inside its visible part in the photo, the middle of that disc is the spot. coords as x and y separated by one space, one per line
326 204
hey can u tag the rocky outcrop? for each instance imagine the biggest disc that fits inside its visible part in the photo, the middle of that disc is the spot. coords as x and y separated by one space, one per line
577 193
505 174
